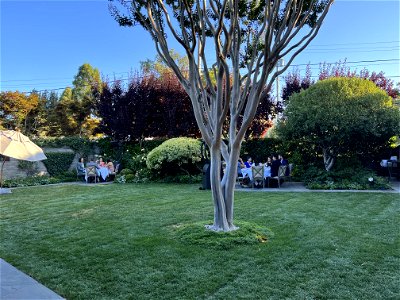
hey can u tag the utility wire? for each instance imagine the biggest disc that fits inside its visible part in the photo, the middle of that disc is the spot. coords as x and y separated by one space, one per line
297 65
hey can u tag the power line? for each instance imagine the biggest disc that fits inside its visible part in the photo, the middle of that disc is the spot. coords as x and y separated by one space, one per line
11 80
297 65
344 50
348 62
355 43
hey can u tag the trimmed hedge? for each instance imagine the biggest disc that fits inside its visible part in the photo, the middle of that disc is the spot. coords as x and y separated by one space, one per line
175 156
58 163
83 146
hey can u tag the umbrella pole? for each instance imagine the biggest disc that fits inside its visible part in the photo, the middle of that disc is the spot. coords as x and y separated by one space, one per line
1 172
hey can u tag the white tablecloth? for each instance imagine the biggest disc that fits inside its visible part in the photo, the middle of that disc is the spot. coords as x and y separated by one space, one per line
247 172
103 172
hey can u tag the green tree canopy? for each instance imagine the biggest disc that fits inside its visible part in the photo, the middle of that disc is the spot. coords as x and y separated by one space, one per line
339 115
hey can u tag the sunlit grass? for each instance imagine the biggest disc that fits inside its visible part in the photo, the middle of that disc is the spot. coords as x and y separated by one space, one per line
147 242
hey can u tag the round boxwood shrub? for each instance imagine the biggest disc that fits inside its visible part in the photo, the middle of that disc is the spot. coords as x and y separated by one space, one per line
175 156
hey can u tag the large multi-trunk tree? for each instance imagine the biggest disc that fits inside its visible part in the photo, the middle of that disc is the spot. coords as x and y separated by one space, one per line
241 42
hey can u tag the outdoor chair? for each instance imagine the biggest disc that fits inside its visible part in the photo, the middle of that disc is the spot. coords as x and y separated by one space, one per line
91 172
258 176
239 179
281 175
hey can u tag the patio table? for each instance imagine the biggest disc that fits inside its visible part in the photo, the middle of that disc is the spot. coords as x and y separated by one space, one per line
247 172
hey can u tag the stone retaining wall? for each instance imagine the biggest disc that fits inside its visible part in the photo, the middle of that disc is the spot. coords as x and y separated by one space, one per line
11 169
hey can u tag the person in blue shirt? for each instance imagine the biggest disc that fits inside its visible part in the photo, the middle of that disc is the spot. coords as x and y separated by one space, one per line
249 162
240 166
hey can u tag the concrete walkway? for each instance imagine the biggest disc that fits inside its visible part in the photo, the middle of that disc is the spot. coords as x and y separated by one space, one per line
17 285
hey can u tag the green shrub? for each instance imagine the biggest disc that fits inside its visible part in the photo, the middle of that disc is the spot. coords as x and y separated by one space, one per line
349 178
30 181
30 167
120 179
68 176
175 156
58 162
130 178
126 171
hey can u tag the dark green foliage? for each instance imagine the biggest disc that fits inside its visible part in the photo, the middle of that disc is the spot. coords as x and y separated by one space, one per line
30 181
68 176
83 146
126 171
260 149
343 178
58 162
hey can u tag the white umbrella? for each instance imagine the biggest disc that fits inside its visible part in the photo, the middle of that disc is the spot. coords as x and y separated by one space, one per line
16 145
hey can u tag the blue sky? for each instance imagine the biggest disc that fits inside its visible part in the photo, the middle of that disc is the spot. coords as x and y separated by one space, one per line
43 43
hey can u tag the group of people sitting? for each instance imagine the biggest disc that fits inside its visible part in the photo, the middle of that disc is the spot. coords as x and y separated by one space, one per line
103 169
271 167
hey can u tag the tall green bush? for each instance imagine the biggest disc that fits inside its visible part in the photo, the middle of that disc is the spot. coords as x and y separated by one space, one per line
341 116
260 149
175 156
58 163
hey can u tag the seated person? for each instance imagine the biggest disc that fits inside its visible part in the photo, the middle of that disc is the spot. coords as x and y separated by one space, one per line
269 162
249 162
267 167
110 166
80 167
240 166
275 164
102 163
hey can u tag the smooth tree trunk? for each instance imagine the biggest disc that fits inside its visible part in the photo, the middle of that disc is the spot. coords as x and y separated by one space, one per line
223 189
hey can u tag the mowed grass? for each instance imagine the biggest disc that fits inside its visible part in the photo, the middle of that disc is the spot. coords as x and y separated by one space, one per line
119 242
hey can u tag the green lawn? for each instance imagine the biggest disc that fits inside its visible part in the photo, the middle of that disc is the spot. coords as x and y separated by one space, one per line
119 242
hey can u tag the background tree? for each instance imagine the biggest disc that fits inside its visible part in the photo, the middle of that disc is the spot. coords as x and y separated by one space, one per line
340 115
147 107
248 38
52 127
16 110
158 67
76 108
66 111
36 121
294 83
